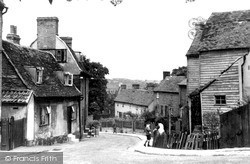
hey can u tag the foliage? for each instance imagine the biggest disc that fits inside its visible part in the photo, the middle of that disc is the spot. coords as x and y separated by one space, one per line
212 121
131 115
181 71
94 123
110 104
148 115
97 85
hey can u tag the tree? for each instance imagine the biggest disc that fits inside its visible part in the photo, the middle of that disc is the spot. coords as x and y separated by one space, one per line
181 71
97 85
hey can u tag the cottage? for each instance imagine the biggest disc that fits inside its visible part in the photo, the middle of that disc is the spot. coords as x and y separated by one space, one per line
136 101
35 89
218 66
61 48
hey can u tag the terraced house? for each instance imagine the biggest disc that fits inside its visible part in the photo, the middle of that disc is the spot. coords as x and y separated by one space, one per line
218 63
135 100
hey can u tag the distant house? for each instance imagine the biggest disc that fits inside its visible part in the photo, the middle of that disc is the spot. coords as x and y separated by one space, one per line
136 101
218 64
168 97
61 48
33 88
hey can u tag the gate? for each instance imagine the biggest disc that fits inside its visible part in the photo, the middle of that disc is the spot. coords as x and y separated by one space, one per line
12 132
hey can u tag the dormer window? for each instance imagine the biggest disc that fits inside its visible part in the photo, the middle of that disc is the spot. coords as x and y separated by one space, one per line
39 75
61 55
68 79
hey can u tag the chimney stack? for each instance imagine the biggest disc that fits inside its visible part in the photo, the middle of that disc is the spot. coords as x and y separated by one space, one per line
67 40
166 74
136 86
123 86
47 29
13 37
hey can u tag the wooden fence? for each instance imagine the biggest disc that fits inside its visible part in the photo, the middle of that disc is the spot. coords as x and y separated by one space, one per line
235 127
193 141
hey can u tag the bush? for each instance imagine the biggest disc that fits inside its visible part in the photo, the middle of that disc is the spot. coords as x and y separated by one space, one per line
94 123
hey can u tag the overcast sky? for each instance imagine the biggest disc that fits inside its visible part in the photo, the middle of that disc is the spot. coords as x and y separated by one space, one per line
137 39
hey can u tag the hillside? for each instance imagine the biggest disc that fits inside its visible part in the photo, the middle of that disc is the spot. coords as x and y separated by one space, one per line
116 82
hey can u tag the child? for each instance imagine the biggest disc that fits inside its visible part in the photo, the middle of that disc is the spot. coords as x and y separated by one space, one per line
148 134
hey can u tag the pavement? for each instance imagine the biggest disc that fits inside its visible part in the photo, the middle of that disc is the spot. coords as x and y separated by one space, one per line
139 147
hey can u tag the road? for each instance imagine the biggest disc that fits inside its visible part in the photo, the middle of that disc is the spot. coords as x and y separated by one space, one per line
118 149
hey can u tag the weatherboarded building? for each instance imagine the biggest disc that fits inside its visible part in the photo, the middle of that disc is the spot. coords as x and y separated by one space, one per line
218 66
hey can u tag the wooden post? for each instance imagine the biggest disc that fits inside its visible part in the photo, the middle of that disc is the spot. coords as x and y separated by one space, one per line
169 121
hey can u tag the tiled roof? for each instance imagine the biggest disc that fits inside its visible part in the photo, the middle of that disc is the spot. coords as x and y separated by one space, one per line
170 84
183 82
51 85
223 30
80 64
16 96
135 96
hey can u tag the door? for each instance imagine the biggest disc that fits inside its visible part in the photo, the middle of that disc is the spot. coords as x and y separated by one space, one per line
69 121
196 117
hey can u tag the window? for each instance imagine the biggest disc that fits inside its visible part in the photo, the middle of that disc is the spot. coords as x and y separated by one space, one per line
73 112
61 55
122 105
120 114
39 75
117 104
68 79
220 99
44 115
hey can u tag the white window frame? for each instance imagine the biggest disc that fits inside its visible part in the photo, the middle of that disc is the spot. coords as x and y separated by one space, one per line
68 79
39 75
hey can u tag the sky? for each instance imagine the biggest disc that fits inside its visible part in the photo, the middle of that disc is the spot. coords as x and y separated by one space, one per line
137 39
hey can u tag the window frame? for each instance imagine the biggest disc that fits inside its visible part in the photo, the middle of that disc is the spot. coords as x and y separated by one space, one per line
45 113
39 75
61 55
68 79
220 100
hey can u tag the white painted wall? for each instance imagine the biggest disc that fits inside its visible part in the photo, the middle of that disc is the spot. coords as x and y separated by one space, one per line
123 107
30 120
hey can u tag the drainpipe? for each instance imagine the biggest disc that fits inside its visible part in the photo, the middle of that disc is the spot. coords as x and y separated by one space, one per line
80 124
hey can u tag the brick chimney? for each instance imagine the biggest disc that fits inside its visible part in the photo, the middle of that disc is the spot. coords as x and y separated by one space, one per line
136 86
47 29
67 40
13 37
166 74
